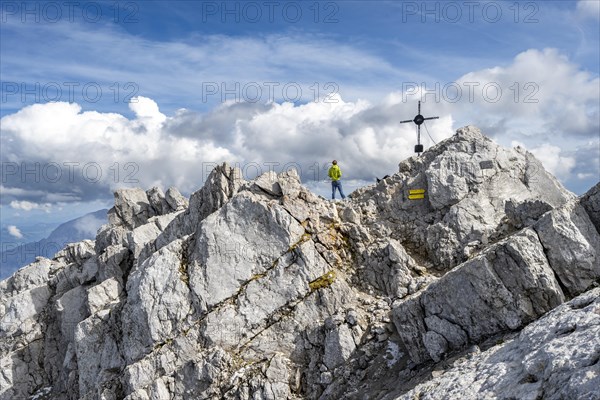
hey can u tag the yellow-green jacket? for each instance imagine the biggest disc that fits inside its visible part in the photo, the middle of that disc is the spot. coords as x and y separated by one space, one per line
335 173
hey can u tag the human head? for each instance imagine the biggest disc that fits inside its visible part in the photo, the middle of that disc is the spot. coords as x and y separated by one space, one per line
334 162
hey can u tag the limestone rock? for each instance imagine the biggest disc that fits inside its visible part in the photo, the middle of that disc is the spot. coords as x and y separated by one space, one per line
132 208
572 246
76 252
158 301
390 269
35 274
221 185
538 363
504 288
591 202
467 180
157 201
176 200
526 212
268 183
103 295
263 290
339 344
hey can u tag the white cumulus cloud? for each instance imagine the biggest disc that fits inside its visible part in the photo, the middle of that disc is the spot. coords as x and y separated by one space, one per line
88 225
102 150
14 231
110 150
551 158
540 93
151 148
589 8
28 205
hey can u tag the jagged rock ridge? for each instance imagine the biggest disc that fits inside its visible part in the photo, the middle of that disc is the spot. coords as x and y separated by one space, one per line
261 289
75 230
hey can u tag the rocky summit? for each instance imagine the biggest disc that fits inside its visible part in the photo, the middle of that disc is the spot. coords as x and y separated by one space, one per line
485 288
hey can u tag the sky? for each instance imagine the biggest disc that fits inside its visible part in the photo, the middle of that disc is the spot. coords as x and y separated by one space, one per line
98 95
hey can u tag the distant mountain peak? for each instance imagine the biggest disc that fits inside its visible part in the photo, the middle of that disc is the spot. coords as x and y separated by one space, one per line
72 231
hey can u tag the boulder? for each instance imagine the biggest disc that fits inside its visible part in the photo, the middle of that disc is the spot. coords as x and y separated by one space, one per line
591 202
502 289
132 208
540 362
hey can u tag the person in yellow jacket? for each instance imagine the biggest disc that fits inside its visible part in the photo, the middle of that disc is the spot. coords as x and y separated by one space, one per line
335 173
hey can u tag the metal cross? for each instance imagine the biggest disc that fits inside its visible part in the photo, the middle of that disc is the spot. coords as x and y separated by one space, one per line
419 119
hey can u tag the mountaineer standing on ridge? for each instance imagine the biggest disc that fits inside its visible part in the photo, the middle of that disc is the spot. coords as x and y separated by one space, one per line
335 174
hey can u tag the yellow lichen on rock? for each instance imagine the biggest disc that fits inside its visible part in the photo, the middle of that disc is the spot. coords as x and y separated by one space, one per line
323 281
305 238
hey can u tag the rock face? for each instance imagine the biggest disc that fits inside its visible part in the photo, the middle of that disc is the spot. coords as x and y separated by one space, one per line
262 290
537 363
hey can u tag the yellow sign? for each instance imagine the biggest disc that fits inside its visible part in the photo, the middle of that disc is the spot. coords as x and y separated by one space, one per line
416 194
